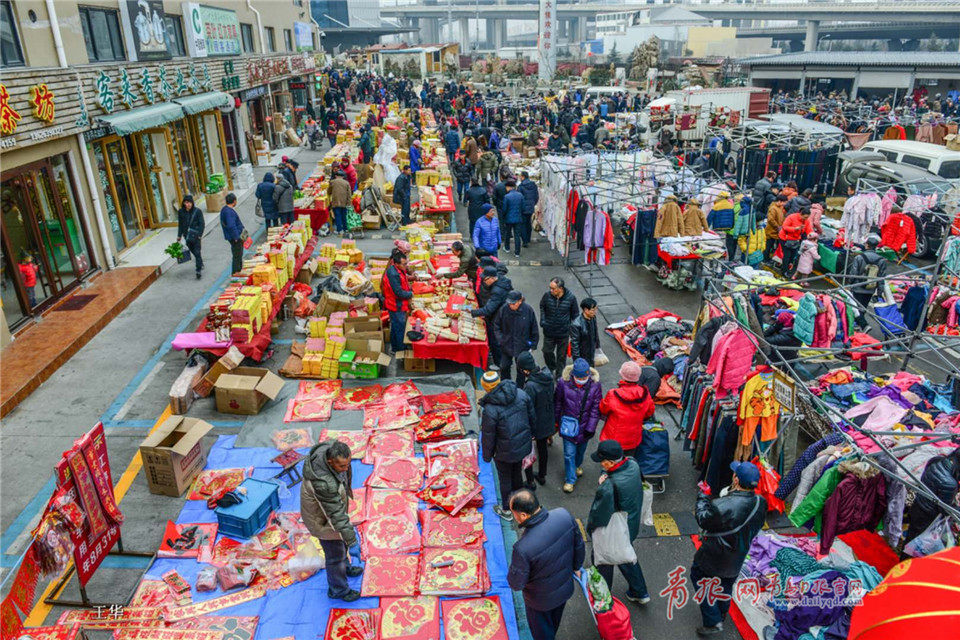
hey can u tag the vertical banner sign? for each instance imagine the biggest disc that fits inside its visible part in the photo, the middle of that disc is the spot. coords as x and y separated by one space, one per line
143 24
547 41
193 26
84 472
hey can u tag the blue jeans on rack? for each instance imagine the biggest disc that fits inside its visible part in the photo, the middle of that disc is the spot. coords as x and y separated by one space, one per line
572 459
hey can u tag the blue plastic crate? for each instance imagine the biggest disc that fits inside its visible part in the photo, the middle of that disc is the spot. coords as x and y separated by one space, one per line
245 519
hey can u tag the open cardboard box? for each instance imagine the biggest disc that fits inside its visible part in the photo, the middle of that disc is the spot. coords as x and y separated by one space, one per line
227 363
174 454
245 390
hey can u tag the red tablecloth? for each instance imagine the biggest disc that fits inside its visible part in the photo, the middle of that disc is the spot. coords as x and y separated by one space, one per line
261 341
668 259
318 217
473 353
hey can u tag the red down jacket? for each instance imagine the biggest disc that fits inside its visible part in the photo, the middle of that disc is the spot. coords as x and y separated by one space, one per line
626 408
897 231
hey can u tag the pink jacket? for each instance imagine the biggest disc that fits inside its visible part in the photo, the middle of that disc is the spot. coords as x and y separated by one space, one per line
809 251
816 212
731 361
825 326
950 304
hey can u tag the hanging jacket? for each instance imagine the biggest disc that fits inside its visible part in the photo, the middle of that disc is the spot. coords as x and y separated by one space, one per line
721 216
805 319
941 476
858 502
626 408
812 506
569 398
897 231
912 306
669 222
731 361
694 221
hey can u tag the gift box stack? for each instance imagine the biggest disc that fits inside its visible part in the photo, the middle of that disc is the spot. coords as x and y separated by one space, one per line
249 311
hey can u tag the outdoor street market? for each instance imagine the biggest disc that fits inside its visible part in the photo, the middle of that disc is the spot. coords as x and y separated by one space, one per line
456 315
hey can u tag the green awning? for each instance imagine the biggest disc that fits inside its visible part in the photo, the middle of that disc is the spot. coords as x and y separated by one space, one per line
155 115
203 101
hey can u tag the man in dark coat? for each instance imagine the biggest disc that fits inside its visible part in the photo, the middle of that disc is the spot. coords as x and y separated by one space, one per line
584 335
476 197
763 195
620 490
539 385
558 310
864 277
401 194
264 194
468 262
531 196
517 332
493 293
729 525
512 213
324 498
507 413
549 549
651 376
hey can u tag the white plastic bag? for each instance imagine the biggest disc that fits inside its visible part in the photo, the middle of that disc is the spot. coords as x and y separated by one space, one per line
600 358
934 538
384 157
611 544
646 513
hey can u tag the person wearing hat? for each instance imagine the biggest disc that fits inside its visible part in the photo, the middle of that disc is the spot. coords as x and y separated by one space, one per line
506 415
350 172
468 262
652 376
486 232
282 197
517 332
190 226
340 196
728 525
576 409
540 386
549 549
264 194
416 157
396 297
865 277
620 489
626 408
513 217
775 217
492 296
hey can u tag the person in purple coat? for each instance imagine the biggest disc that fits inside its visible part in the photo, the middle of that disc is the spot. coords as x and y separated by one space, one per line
577 396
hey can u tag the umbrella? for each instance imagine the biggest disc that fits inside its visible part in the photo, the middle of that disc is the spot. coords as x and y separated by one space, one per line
919 598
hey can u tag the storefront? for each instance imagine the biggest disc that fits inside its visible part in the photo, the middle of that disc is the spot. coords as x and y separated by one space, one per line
45 244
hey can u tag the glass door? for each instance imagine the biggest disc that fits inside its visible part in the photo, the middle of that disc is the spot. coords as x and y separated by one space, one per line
54 233
186 164
30 273
12 293
120 176
162 191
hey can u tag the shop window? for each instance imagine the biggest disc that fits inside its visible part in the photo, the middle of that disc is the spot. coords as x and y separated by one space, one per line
9 40
271 40
101 31
288 39
174 36
246 34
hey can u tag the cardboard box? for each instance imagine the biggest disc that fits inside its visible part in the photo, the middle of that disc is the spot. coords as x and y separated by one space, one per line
174 454
330 302
182 389
246 390
424 365
350 368
228 362
371 221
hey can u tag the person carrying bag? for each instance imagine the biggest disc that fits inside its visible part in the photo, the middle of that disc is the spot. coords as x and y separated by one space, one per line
190 227
576 413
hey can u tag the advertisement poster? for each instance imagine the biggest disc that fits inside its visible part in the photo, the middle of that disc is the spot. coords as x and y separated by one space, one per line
145 27
303 36
211 31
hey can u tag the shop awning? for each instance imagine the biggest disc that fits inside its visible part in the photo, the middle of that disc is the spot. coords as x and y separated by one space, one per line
142 118
203 102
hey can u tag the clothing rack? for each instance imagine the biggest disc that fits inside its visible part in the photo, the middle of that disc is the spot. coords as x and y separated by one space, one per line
712 294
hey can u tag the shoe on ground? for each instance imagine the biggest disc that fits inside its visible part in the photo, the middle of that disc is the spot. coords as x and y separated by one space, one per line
568 488
709 631
526 244
494 367
350 596
354 570
632 597
503 513
531 485
579 471
541 480
198 275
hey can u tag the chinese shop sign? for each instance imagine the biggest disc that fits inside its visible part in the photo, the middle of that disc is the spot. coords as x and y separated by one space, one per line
211 31
231 80
152 88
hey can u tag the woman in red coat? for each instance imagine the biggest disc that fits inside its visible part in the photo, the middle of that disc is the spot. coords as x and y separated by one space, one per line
626 408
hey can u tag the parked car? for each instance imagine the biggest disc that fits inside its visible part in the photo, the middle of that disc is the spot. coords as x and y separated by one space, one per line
934 158
907 180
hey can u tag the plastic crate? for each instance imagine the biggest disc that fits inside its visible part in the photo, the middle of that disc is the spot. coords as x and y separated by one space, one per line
245 519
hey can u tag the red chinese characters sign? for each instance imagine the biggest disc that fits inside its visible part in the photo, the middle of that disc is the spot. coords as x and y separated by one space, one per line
85 472
8 115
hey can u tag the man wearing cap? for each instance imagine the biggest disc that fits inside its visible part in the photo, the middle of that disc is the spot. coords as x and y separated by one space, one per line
540 386
396 297
486 233
620 490
517 332
498 286
506 416
728 525
549 550
865 276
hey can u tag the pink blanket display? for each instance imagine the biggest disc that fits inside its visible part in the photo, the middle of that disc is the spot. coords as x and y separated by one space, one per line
199 340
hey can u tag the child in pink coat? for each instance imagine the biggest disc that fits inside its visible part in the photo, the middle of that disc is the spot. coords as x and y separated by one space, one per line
809 252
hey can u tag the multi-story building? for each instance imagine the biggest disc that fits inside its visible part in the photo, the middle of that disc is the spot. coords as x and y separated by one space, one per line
112 110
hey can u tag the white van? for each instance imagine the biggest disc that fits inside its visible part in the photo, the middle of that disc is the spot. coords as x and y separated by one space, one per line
932 157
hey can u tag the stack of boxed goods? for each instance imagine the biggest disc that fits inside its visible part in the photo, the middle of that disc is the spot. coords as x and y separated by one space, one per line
313 192
262 148
247 313
377 267
243 177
